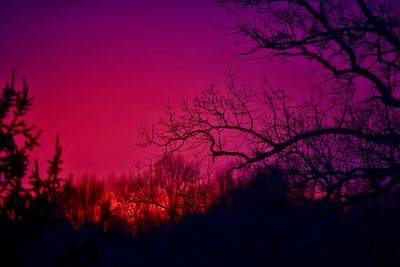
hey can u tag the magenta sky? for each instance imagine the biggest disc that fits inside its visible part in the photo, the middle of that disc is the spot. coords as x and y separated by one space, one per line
98 68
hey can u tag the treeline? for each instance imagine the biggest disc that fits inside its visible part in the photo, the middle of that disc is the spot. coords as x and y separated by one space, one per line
160 193
174 211
255 224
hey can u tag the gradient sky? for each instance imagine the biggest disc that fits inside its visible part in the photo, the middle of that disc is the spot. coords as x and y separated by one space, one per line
98 68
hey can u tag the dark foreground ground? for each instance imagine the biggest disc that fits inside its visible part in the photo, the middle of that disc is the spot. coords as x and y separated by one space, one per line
257 228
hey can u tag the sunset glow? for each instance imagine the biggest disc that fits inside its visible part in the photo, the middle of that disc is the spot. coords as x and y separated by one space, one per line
99 68
199 133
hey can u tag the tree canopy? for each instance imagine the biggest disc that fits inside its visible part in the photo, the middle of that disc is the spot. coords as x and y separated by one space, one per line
340 144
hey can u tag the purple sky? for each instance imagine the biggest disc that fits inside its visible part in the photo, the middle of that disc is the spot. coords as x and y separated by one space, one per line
98 68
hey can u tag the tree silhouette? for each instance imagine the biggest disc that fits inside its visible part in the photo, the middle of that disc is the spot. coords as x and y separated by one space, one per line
339 145
17 139
28 204
163 192
86 200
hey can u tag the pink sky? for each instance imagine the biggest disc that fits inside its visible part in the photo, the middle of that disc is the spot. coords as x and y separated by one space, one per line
98 68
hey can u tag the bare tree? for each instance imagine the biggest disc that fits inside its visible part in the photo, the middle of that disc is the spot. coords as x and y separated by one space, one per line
85 199
340 144
163 192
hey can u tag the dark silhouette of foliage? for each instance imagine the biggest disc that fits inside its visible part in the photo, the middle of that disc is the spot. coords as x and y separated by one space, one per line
28 204
340 143
17 139
259 227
